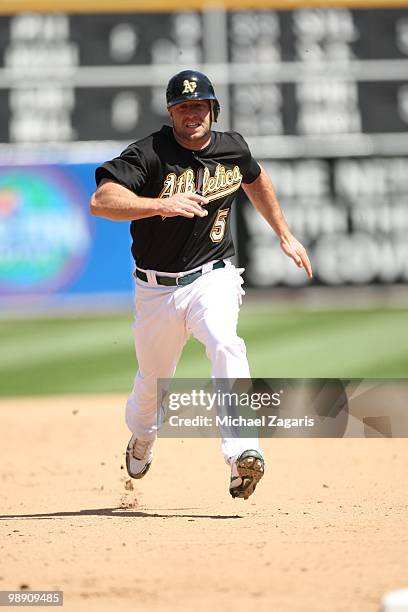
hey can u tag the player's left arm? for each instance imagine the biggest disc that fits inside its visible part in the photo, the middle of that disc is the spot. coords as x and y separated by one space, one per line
262 195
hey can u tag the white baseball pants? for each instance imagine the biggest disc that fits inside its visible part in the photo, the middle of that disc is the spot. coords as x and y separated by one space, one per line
164 318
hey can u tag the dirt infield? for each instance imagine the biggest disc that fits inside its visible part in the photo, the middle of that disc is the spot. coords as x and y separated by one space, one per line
325 530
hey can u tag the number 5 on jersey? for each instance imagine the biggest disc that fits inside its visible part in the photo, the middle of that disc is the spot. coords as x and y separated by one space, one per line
218 229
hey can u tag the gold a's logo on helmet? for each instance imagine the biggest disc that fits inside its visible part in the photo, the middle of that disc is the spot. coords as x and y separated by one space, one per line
189 87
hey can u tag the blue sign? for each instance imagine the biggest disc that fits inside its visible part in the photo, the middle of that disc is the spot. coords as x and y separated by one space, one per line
50 243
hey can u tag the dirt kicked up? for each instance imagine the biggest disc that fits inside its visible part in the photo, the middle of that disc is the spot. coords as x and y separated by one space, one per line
324 531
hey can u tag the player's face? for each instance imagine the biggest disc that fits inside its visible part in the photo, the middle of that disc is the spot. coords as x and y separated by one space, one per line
192 123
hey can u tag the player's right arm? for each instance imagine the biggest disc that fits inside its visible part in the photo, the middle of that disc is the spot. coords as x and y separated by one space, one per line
117 203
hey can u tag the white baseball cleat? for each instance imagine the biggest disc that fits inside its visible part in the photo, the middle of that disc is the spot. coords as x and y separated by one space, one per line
246 471
139 457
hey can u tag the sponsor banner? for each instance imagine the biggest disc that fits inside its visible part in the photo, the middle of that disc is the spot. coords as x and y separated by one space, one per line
49 242
282 408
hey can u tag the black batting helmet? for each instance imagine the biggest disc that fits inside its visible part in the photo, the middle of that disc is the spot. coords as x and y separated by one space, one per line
191 85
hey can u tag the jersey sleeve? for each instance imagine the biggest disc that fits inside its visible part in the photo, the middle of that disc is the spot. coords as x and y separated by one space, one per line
250 168
129 169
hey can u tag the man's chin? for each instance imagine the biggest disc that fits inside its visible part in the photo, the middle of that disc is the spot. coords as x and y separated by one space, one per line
197 135
194 138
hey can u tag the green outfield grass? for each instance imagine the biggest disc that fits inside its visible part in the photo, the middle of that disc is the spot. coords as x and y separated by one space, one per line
95 354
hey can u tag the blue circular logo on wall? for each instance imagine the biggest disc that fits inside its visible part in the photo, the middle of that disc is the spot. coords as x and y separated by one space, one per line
44 233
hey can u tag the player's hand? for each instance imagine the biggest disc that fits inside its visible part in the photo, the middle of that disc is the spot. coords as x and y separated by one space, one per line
294 249
183 205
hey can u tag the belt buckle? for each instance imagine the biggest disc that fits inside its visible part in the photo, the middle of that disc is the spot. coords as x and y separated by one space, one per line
177 281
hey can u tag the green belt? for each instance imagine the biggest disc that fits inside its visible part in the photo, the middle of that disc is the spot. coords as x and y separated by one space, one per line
179 281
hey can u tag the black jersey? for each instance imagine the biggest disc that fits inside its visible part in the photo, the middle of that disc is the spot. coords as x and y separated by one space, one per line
157 166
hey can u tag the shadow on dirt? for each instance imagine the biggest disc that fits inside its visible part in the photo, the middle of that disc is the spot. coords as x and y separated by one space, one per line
116 512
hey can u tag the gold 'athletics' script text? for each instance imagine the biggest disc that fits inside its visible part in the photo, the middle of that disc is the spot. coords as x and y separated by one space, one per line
224 182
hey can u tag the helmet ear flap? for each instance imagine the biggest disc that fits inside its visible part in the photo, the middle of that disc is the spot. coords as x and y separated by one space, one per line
215 110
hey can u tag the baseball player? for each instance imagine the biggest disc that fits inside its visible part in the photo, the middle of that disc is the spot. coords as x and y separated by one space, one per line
177 187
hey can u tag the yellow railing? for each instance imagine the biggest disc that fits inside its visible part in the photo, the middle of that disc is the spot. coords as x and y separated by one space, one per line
148 6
